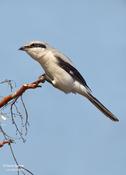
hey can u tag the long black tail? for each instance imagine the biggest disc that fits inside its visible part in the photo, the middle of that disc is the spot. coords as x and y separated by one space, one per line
101 107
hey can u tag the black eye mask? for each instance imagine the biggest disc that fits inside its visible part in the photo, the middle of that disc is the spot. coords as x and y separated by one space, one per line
37 45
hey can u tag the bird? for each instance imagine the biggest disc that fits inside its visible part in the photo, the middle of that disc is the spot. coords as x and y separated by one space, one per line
62 74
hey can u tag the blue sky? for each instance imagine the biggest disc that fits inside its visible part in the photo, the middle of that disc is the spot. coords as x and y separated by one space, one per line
67 135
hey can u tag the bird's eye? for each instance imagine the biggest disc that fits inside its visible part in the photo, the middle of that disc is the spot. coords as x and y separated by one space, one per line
33 45
38 45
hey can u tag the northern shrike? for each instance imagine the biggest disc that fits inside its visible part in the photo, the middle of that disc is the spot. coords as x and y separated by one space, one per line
61 73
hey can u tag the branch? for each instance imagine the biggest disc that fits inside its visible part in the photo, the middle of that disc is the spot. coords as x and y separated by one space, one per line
21 90
12 100
2 143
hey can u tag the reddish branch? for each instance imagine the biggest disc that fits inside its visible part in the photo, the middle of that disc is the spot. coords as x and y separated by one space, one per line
21 90
2 143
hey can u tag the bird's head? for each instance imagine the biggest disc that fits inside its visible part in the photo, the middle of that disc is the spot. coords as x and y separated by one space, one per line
35 49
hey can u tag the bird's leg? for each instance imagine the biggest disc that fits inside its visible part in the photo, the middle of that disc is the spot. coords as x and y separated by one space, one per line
46 78
43 75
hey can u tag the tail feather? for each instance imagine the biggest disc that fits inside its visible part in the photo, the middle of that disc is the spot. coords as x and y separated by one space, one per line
101 107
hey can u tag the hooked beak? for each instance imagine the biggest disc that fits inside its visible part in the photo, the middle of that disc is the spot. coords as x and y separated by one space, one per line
22 48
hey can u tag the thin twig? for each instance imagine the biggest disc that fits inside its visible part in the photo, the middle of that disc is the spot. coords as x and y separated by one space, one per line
26 115
14 122
26 170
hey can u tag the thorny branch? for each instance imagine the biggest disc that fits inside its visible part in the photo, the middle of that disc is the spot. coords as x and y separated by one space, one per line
11 101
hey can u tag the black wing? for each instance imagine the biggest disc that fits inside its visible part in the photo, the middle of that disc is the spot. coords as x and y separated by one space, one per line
72 71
